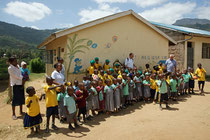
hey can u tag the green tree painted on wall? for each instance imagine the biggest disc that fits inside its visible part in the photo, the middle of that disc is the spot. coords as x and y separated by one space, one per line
74 46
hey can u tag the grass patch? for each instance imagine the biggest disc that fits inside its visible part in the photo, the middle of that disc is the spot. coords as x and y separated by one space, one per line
34 76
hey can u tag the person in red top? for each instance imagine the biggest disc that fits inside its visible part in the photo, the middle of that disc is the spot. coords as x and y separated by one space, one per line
100 90
81 100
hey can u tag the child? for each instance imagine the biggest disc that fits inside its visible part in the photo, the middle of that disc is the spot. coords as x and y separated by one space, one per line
109 99
51 102
102 76
147 85
119 81
106 65
109 76
95 75
116 88
125 89
91 68
200 73
101 96
138 81
192 81
97 64
174 87
70 106
180 83
186 77
163 93
95 103
157 90
86 82
130 90
24 71
32 117
76 85
147 68
81 95
152 86
61 108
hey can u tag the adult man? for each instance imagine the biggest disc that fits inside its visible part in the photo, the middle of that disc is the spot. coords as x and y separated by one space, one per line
170 64
129 61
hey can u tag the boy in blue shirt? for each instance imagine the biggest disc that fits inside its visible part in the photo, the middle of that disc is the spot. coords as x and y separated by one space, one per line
70 106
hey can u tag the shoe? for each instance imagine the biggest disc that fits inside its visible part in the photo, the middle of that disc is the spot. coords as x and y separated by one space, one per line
47 130
161 108
71 127
154 103
89 118
54 127
167 106
76 125
14 117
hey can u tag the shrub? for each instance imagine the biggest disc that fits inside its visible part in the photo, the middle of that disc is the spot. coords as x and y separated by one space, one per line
3 69
37 65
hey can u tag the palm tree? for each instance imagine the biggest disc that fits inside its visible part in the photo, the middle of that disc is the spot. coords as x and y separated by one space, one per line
74 46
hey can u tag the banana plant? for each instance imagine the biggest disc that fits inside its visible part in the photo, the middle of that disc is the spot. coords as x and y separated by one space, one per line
74 46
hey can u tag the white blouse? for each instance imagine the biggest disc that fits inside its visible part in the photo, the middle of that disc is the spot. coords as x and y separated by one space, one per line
58 76
15 75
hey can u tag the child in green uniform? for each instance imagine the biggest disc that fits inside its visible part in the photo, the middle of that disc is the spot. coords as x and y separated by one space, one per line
163 95
186 77
174 86
125 89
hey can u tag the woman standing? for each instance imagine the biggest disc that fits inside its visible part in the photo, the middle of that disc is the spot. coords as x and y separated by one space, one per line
17 82
57 76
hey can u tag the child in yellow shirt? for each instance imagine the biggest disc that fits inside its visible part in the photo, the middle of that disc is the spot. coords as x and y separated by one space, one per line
32 118
97 64
91 68
152 86
51 102
106 65
201 73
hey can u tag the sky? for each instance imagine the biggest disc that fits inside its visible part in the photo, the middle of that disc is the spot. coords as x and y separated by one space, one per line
50 14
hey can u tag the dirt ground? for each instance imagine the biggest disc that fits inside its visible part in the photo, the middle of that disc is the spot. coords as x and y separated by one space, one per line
189 118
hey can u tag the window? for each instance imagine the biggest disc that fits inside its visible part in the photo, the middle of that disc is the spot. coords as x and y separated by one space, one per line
49 57
206 50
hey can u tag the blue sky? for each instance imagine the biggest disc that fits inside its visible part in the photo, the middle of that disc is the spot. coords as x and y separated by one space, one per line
49 14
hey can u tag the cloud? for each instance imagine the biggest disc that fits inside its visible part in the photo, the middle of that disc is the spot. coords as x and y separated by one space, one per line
35 27
29 12
92 14
140 3
169 12
203 12
66 25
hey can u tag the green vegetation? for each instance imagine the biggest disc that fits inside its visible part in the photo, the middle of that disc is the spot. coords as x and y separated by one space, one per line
37 65
3 69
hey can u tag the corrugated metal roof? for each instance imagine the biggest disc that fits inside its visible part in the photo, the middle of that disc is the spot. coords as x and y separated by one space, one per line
182 29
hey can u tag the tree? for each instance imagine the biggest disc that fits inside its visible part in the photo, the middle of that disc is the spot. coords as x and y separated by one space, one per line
74 46
37 65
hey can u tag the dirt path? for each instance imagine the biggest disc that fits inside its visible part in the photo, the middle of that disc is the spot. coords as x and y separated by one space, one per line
189 118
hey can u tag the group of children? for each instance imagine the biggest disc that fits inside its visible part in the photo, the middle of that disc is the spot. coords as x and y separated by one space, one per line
107 90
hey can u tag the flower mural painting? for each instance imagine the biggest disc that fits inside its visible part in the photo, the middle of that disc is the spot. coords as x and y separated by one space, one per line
77 65
94 45
74 46
89 42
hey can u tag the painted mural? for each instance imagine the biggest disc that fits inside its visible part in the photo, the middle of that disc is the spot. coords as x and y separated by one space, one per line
74 46
77 66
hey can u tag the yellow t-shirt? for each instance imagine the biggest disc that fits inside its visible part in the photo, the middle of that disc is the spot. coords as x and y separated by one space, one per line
201 73
168 80
109 77
97 65
34 108
153 84
119 72
91 69
120 76
106 67
50 96
153 71
102 78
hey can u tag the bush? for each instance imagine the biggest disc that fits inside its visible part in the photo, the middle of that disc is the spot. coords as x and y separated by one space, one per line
3 69
37 65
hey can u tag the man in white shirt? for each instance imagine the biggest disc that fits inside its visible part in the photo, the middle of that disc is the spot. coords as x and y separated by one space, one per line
129 63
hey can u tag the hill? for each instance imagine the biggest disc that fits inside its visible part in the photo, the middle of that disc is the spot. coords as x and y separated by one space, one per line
203 24
13 36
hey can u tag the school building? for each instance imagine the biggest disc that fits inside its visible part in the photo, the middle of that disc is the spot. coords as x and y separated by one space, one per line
193 45
114 37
